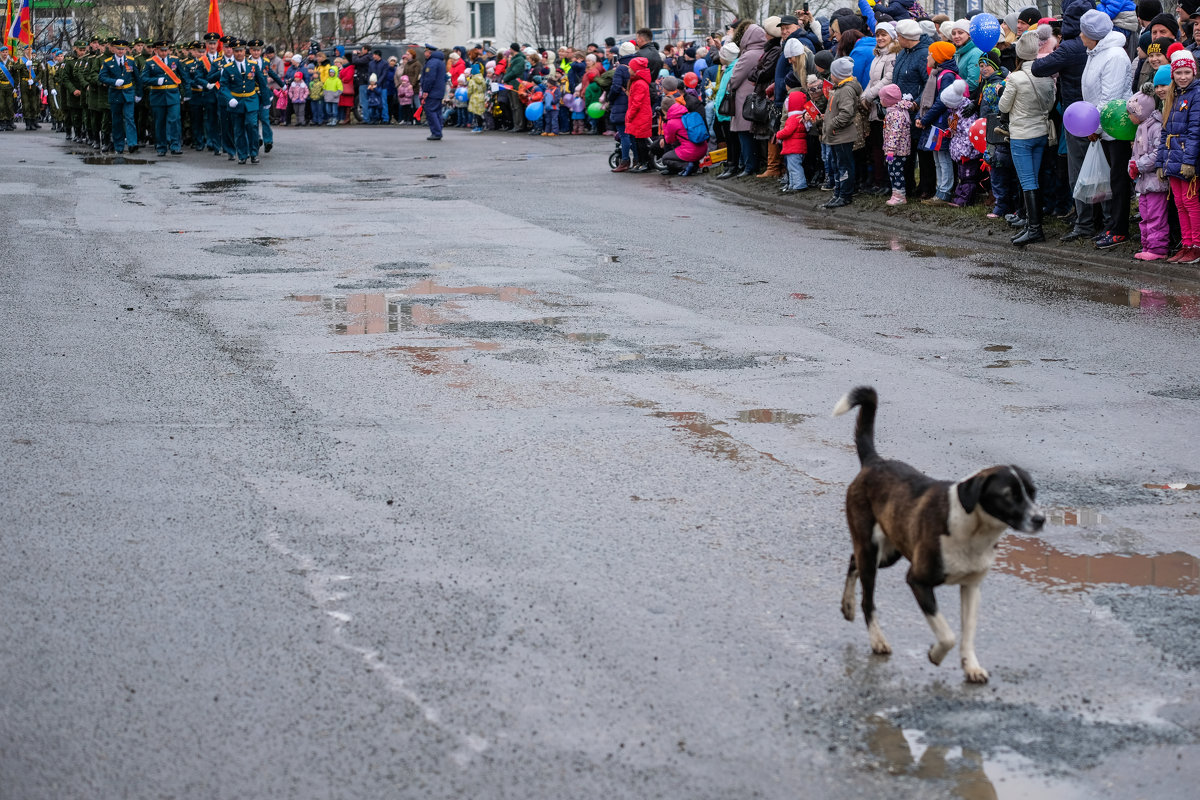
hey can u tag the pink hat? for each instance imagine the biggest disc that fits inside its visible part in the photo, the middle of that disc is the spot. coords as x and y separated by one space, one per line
889 95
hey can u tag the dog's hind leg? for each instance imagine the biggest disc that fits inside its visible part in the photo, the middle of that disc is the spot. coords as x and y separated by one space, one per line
927 600
848 592
866 559
970 615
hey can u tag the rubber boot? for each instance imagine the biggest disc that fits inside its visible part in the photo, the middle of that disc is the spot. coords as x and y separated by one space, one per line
1033 229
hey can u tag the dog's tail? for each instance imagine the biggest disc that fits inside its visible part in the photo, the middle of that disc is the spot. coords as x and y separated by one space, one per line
864 429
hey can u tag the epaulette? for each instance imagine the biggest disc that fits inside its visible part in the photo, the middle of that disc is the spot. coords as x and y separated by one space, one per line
110 58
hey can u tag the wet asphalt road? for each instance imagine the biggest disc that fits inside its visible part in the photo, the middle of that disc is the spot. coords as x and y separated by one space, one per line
394 469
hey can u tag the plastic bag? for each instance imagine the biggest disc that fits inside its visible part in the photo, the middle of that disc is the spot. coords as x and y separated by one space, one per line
1092 185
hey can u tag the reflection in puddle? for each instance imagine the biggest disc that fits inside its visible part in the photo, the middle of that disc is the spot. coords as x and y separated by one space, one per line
1006 363
1083 517
1002 775
374 313
1185 487
506 293
705 436
219 186
1035 560
1148 301
776 416
998 348
587 338
430 360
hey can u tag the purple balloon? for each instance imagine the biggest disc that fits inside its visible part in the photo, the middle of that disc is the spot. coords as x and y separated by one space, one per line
1081 118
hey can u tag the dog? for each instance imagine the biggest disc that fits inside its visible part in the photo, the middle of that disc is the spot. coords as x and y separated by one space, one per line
947 530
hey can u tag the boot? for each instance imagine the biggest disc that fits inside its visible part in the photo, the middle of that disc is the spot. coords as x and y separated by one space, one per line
774 161
623 166
1033 228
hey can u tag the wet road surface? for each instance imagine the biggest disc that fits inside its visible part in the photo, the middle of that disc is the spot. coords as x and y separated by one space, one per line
393 469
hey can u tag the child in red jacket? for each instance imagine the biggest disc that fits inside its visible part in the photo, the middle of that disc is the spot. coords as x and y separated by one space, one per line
793 139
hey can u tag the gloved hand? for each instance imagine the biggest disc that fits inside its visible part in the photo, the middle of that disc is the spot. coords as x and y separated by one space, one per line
54 92
1187 171
1161 173
233 102
120 82
137 99
1133 171
160 81
209 85
890 157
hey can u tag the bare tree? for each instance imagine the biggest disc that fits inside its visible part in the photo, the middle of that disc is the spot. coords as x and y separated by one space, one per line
553 23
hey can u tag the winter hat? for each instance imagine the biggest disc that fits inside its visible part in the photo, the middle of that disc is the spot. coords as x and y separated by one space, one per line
296 59
927 27
945 28
823 60
627 49
373 79
1140 105
462 80
1029 16
960 25
992 57
841 68
887 28
795 102
1095 24
771 26
1149 9
1044 32
952 96
1168 21
889 95
941 51
404 79
1028 44
702 52
909 29
529 51
671 83
664 72
490 65
729 51
1162 75
1010 21
792 48
1182 58
1160 45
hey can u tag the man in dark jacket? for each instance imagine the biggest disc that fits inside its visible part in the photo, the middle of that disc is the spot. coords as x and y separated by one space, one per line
909 74
433 90
648 49
362 63
513 75
1067 62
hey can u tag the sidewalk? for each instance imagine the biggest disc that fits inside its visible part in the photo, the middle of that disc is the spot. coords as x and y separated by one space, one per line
950 227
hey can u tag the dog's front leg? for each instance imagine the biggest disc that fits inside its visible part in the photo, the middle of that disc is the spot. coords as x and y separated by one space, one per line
927 600
970 595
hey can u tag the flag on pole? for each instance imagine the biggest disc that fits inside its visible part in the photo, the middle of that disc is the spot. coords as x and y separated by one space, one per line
8 20
19 28
214 18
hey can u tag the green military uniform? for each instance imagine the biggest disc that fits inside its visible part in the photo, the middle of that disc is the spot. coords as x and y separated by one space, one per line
7 89
99 113
70 81
25 74
54 99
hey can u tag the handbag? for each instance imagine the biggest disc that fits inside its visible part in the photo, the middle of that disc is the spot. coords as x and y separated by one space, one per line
933 140
755 108
726 107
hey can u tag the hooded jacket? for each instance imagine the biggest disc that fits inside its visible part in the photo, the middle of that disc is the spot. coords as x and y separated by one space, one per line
618 100
1145 155
675 134
1107 74
839 127
793 136
638 117
908 71
1179 142
1070 57
754 41
433 78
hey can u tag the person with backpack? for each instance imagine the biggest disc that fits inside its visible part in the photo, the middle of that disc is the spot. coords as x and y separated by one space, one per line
685 136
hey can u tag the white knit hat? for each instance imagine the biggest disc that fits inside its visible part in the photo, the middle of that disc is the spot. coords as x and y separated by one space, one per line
909 29
952 96
961 25
729 51
627 49
887 28
945 28
928 28
792 48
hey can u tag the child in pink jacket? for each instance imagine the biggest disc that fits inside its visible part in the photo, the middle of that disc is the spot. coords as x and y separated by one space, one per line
1151 189
297 95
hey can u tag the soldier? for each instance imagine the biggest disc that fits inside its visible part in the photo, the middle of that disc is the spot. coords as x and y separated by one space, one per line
8 87
207 74
227 142
124 89
241 84
99 113
267 97
52 80
164 80
70 92
25 73
142 118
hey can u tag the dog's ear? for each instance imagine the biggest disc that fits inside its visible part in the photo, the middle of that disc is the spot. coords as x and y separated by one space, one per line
1026 481
970 490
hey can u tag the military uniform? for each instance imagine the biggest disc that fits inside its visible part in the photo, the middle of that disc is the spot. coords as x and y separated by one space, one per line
119 75
51 80
226 123
242 83
165 84
99 113
25 75
70 81
267 97
7 91
206 73
142 118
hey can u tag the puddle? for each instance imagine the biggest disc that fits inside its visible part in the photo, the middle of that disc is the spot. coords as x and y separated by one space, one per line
506 293
374 313
1183 487
775 416
1037 561
800 296
249 248
126 186
114 159
220 186
430 360
969 774
587 338
388 266
704 435
272 270
1179 393
433 176
998 348
1150 302
1075 517
186 276
1006 363
640 362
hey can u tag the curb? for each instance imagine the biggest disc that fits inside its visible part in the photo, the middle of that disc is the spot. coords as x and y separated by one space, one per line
867 213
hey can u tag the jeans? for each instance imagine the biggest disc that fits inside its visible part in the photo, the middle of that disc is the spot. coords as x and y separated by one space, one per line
1003 185
626 141
318 112
795 171
1027 160
843 170
362 101
749 152
830 165
331 112
943 165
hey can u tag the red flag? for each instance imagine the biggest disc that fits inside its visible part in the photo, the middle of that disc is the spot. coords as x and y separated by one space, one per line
214 19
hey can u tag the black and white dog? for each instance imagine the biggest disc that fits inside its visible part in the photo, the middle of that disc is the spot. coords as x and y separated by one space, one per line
948 531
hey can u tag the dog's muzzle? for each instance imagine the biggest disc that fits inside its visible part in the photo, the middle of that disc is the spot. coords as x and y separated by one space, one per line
1033 522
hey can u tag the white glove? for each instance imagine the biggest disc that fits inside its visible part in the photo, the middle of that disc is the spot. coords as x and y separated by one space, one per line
160 81
120 82
209 85
137 99
54 92
233 102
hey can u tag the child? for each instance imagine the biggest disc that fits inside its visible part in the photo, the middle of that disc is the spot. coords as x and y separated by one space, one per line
942 74
550 99
534 95
793 139
998 155
404 94
840 129
374 101
1179 147
897 139
476 98
967 159
1151 190
298 94
316 92
460 104
332 94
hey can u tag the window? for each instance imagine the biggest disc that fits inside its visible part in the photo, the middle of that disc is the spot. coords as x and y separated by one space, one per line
654 14
483 20
550 19
624 17
391 21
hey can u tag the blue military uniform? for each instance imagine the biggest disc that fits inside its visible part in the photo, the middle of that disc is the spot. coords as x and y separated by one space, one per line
166 91
267 97
120 70
241 83
197 79
209 69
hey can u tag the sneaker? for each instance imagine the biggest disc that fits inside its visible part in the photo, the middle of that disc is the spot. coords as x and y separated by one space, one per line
1111 240
1146 255
826 187
837 202
897 199
1099 236
1193 256
936 201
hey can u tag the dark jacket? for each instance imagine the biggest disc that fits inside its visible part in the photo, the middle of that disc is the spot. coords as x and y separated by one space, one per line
937 113
1070 57
1179 142
362 63
909 70
433 77
618 100
516 69
772 55
649 51
896 9
784 66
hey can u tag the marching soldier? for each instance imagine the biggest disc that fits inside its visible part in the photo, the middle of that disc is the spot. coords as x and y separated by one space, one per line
163 78
124 89
206 77
99 113
70 92
8 88
267 97
227 134
51 79
24 71
241 85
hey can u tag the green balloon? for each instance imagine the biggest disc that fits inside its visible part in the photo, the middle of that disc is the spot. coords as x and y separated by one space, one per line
1115 121
596 111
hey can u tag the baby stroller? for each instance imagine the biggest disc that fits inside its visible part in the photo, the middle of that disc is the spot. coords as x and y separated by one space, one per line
615 157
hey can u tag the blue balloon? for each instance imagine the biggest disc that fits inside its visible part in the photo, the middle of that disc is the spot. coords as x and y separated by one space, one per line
461 94
985 31
533 111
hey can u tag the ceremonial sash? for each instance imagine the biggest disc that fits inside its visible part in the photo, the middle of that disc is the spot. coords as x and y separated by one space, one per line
7 75
162 65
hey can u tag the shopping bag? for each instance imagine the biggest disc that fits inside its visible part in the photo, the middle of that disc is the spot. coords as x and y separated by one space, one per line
1092 185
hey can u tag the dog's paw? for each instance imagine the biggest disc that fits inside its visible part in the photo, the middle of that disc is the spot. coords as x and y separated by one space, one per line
879 645
848 609
938 651
974 672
